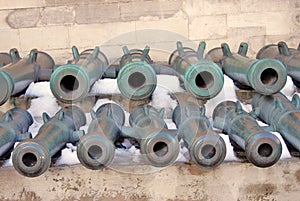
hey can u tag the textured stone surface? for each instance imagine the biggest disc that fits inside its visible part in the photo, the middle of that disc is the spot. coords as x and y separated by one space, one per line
97 34
91 14
52 37
9 39
263 6
208 27
87 23
174 25
58 15
230 181
161 9
275 22
23 18
4 4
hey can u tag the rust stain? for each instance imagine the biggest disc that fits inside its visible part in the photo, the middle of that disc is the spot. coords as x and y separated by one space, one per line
29 196
119 197
260 188
195 170
258 192
297 175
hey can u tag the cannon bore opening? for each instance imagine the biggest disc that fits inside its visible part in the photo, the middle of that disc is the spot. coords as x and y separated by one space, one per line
136 80
269 76
29 159
208 151
204 80
160 149
69 83
265 150
95 152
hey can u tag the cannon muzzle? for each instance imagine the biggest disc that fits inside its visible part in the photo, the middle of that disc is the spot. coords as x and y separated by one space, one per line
266 76
72 82
32 157
159 146
96 149
137 77
207 149
203 79
290 57
262 148
281 114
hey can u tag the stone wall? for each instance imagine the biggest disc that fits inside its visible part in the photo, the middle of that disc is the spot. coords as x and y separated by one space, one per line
229 182
55 25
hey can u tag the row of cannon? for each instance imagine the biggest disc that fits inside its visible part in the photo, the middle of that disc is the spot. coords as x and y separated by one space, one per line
159 146
136 73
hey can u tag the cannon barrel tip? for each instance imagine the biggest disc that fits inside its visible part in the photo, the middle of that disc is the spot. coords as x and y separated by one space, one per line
263 149
95 151
137 80
267 76
161 148
208 151
31 159
204 80
69 83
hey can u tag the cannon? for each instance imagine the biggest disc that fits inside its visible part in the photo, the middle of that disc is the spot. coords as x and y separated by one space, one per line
281 114
16 76
136 78
32 157
14 126
158 145
72 82
265 76
290 57
262 148
203 79
5 59
96 149
207 149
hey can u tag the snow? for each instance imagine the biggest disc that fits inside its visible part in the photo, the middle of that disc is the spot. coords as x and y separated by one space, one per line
105 86
161 98
227 93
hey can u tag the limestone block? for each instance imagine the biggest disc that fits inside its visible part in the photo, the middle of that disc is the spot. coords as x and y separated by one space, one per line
276 23
44 38
3 19
89 14
4 4
211 7
264 6
164 30
159 8
24 18
58 15
9 39
98 34
208 27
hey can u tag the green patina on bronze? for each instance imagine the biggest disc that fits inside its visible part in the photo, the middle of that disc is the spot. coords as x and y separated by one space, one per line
203 79
281 114
72 82
32 157
266 76
290 57
207 149
159 146
262 148
96 149
17 75
136 78
14 126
